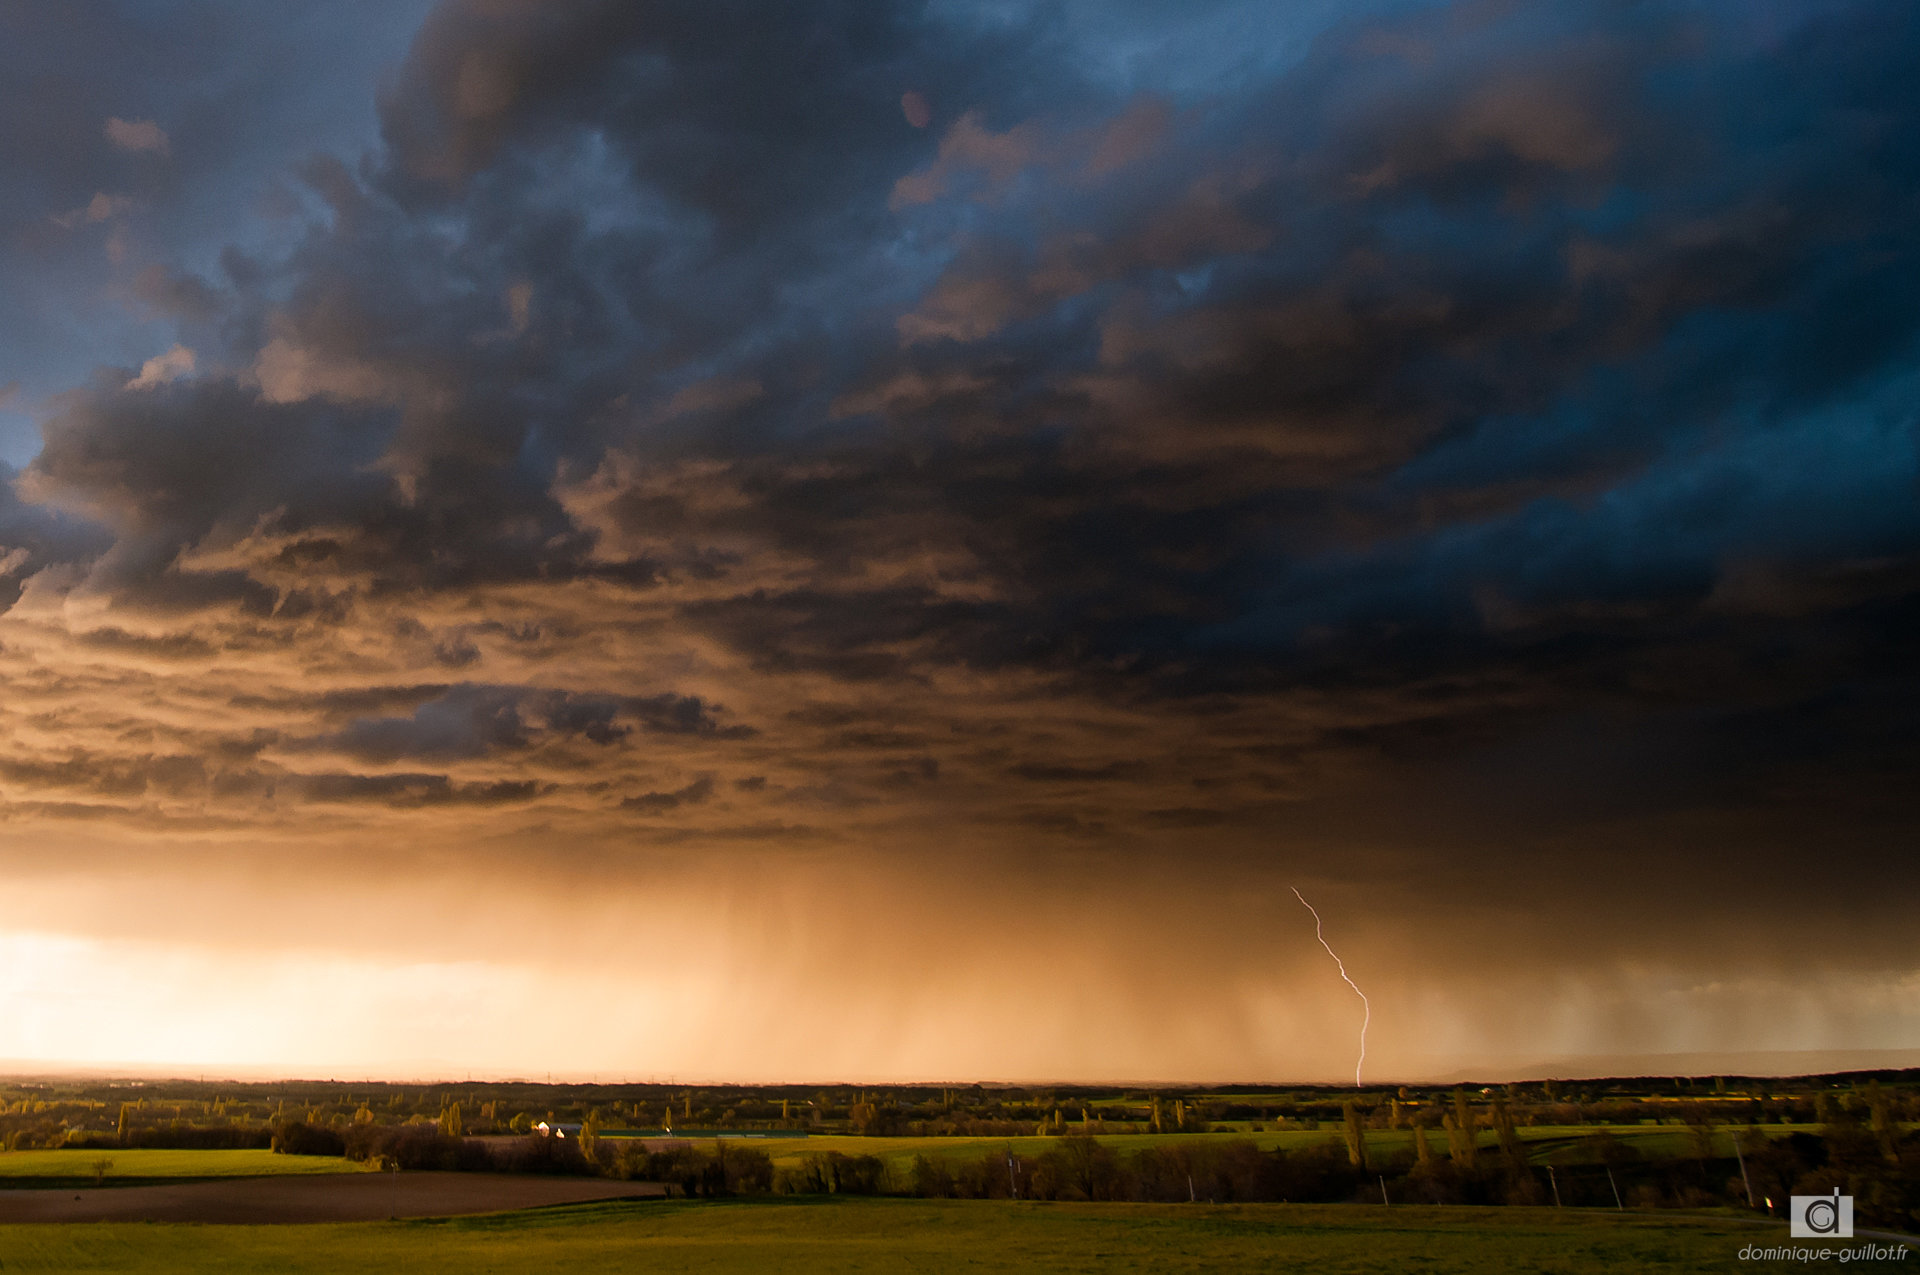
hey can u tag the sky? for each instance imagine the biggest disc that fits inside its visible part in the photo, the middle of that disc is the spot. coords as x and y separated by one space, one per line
887 541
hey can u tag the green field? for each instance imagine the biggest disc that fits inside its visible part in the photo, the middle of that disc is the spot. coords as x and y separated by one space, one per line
845 1234
1555 1144
48 1168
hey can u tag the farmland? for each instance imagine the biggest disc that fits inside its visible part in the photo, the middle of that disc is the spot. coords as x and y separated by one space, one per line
1616 1155
839 1234
318 1197
1556 1145
126 1166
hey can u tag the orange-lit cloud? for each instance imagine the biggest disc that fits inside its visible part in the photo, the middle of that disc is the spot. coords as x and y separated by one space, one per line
137 135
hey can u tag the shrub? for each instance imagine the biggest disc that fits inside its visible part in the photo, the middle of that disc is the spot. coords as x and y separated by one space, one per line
299 1138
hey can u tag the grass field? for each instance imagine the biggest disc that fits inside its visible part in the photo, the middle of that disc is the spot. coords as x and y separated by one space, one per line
876 1235
1555 1144
64 1168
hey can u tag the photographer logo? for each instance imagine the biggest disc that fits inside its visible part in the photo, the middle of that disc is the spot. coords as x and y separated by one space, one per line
1821 1217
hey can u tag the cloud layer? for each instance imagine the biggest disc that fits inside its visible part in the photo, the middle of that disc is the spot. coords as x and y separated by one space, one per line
1461 457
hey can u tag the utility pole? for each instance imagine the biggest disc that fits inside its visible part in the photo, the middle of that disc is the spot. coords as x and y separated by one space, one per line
1553 1178
1616 1190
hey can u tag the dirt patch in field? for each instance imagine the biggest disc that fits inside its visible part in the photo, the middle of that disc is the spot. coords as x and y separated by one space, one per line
351 1197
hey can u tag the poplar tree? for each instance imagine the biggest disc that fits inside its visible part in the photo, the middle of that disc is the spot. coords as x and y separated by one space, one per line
1882 1122
1356 1135
1459 1126
1503 1130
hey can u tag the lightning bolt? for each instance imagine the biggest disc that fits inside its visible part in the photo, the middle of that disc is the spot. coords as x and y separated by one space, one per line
1365 1003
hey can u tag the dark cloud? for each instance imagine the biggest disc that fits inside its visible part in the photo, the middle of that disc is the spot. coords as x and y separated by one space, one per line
172 646
1239 355
169 465
1057 773
337 705
109 777
659 803
233 92
33 538
469 721
184 296
410 790
1432 439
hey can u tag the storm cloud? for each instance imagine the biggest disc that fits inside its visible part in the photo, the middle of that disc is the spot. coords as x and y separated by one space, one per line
1462 456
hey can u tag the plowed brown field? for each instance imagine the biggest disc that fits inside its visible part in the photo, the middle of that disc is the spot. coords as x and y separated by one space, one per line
355 1197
